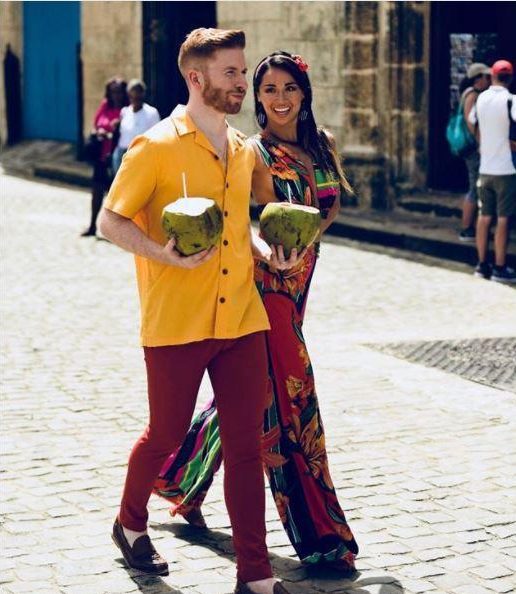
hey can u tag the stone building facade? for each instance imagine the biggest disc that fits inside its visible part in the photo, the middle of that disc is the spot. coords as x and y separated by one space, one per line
379 70
368 68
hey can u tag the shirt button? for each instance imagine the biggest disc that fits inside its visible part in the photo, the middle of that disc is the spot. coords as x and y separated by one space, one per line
225 271
226 213
227 185
216 157
225 242
222 300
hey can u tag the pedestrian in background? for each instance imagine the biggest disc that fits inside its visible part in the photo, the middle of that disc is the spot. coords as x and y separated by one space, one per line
135 119
497 181
101 144
477 79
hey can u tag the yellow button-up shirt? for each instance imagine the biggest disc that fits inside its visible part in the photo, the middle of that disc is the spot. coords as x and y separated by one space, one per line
218 299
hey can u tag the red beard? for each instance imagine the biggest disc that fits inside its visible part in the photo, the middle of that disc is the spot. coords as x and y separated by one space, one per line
220 100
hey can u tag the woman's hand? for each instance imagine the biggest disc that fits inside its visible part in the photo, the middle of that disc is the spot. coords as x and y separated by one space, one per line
278 260
260 248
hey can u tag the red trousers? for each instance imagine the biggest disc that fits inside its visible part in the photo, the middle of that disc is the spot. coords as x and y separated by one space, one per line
238 373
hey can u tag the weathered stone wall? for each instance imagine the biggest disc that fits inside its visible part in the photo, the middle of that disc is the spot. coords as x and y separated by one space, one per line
407 30
11 23
111 35
368 67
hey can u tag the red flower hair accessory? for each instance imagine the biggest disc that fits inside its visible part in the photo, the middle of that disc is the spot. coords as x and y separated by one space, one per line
301 64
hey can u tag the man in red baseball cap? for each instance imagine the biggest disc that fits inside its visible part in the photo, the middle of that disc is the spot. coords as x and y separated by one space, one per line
494 110
502 67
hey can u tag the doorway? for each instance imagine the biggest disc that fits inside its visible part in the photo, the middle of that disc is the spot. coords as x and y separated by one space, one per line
165 25
460 34
51 35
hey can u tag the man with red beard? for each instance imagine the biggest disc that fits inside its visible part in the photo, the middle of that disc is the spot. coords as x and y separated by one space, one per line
201 312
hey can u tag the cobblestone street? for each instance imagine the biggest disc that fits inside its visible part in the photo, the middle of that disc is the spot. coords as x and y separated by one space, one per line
423 460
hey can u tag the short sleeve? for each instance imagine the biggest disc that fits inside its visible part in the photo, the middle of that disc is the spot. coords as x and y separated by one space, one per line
135 181
155 117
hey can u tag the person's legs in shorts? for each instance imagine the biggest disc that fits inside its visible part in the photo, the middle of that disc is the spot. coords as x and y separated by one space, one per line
506 208
487 209
469 204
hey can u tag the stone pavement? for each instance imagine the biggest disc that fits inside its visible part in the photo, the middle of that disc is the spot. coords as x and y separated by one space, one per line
423 460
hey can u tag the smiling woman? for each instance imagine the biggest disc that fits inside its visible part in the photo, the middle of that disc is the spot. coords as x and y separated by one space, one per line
281 97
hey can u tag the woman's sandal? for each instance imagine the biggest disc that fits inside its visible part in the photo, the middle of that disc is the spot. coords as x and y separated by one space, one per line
194 517
345 565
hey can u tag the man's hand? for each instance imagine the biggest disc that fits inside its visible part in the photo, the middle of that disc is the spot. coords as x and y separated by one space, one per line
278 260
127 235
172 257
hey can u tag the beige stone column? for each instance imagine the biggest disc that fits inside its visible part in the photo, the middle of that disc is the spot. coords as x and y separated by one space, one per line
111 38
11 32
386 98
406 41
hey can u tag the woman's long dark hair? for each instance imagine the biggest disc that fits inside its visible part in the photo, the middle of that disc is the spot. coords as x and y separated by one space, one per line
314 140
117 80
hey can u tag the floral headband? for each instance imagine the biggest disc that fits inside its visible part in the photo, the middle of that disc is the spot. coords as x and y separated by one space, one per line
296 58
301 64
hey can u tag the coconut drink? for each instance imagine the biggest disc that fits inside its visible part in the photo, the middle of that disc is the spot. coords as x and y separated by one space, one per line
195 223
289 225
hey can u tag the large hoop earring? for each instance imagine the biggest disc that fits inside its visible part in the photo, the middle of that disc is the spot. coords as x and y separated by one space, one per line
261 116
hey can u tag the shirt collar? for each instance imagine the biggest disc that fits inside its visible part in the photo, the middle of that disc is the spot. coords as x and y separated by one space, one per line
185 125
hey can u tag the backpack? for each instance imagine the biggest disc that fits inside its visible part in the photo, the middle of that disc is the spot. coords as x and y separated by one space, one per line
462 142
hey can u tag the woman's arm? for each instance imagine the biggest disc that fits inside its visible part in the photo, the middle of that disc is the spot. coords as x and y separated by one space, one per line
98 114
469 103
262 187
335 208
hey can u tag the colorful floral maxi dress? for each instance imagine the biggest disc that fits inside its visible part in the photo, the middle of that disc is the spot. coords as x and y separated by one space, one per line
294 450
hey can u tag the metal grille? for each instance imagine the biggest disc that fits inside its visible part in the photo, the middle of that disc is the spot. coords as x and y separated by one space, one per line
490 361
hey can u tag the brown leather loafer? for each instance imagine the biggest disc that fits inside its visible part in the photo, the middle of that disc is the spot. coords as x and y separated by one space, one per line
142 555
242 588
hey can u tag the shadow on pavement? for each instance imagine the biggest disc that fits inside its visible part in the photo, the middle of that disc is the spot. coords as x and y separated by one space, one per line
149 584
289 569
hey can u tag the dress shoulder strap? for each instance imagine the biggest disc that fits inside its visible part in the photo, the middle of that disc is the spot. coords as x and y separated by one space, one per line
262 147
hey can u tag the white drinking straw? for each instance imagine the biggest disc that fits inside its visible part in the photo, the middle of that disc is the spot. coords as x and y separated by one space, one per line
289 195
184 185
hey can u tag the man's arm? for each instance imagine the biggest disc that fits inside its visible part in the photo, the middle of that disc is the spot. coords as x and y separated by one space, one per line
125 234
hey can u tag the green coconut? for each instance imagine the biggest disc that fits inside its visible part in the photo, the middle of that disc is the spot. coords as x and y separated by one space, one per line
289 225
195 223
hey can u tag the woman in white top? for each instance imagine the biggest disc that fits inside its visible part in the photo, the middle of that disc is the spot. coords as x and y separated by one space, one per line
135 119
